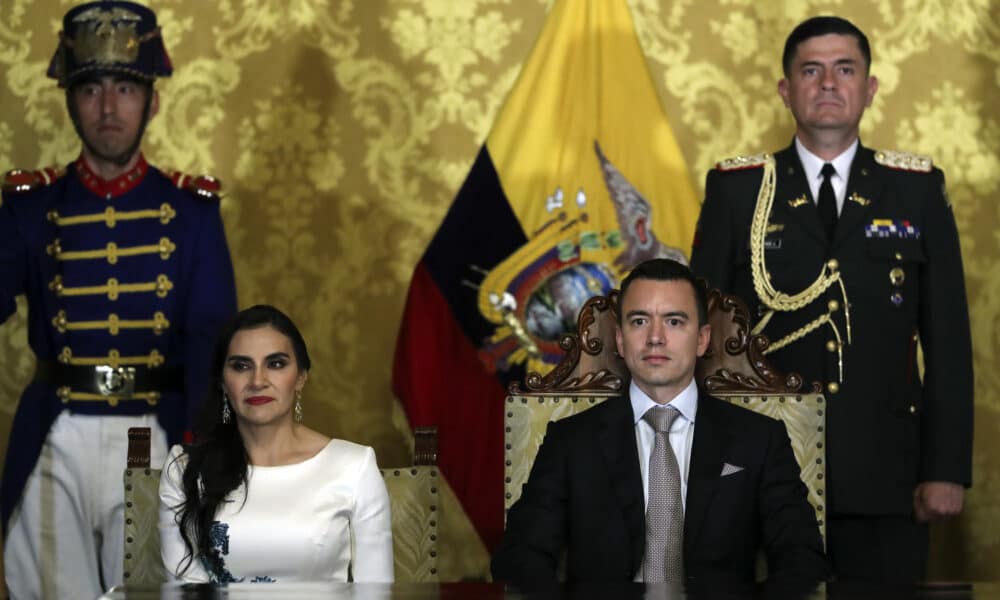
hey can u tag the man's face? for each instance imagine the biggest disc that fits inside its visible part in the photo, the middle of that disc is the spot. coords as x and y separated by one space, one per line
110 116
659 336
828 86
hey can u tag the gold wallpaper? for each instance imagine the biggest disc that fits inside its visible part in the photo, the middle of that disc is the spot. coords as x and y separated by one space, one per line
342 129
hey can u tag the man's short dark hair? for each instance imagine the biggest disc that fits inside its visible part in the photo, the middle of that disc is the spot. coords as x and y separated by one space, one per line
818 26
665 269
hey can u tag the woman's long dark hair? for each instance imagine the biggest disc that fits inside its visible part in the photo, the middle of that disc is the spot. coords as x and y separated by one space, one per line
217 460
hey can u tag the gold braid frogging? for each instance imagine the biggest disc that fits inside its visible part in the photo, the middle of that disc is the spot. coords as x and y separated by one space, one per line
777 301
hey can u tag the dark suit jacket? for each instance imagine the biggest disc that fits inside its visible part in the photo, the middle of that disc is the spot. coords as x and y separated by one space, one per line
886 430
584 498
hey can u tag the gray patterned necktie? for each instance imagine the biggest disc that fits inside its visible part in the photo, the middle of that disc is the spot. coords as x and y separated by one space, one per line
664 559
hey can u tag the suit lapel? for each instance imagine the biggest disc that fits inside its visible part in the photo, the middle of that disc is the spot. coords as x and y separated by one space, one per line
792 197
616 435
710 440
863 188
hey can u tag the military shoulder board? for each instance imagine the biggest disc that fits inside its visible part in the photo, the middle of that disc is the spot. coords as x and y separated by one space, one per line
203 186
904 161
19 181
743 162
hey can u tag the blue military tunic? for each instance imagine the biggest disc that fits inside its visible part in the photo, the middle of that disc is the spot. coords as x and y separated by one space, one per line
129 272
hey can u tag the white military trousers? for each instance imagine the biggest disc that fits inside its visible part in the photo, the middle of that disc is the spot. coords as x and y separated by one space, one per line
66 537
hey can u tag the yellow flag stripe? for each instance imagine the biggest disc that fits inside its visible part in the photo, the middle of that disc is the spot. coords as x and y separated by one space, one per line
587 80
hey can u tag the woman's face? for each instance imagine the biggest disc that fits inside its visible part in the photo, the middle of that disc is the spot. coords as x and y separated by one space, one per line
260 376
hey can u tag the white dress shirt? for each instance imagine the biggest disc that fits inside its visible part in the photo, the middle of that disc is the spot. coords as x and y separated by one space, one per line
812 165
681 432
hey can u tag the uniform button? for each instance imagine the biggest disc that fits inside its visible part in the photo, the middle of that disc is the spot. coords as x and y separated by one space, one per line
897 276
831 346
833 305
913 409
899 256
832 264
833 387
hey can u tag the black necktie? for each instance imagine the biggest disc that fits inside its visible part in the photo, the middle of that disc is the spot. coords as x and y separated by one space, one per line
827 202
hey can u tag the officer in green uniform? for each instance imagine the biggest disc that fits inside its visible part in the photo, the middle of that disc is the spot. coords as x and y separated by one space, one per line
849 258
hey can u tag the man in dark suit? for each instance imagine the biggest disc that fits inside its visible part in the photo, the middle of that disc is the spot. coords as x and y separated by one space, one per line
850 259
593 492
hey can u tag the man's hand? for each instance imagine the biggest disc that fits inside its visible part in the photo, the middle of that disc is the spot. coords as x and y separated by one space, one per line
936 500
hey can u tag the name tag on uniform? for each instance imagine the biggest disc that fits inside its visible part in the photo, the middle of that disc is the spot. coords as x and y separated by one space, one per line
772 242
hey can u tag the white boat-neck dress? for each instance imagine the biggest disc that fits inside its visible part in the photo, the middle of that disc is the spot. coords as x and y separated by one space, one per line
316 520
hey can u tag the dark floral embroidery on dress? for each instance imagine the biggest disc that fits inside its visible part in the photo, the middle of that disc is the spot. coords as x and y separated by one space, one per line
218 536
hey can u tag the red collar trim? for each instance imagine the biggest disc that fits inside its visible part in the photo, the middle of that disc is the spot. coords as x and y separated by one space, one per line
118 186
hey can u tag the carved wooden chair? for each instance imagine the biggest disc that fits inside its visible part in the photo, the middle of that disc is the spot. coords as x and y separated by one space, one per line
413 499
590 372
733 369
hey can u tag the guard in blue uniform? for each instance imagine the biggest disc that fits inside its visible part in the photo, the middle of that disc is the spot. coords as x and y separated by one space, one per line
128 277
849 258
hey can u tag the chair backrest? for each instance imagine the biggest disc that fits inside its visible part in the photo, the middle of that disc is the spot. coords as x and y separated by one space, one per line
413 500
142 563
590 372
733 369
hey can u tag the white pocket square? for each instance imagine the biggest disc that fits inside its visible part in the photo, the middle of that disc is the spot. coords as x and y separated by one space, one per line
728 469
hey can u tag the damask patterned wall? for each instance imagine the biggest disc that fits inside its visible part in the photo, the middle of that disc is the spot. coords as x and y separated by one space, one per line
342 130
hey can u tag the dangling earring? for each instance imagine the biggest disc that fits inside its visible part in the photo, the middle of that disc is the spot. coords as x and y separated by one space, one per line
298 406
226 413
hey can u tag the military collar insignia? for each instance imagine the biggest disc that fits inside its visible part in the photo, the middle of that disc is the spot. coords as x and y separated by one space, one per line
116 187
743 162
797 202
855 197
904 161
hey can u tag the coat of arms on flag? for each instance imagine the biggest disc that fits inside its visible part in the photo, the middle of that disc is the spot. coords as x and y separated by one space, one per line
579 180
534 296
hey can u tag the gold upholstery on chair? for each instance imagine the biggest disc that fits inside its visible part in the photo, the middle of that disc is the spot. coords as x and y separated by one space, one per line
413 499
525 420
804 418
142 564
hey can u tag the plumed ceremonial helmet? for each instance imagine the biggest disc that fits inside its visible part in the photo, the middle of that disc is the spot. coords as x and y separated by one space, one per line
109 37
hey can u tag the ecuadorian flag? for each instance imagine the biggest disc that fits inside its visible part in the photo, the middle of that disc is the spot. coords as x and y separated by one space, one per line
579 180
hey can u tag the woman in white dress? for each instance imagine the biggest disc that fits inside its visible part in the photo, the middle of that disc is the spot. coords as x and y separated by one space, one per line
260 497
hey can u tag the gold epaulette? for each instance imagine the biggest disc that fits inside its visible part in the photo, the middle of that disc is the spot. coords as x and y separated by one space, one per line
904 161
19 181
203 186
743 162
